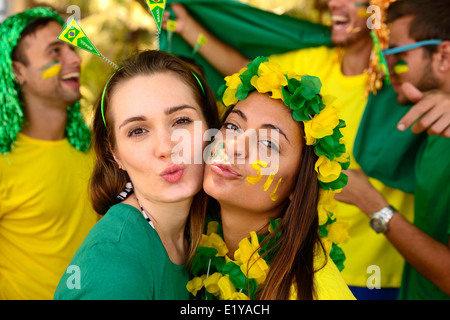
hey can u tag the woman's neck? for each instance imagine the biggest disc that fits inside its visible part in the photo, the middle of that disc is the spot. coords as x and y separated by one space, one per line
237 223
169 220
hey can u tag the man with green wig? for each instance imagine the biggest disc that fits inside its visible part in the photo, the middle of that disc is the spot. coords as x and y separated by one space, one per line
45 163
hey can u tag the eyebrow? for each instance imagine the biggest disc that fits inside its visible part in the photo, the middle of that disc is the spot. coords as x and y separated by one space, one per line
174 109
54 43
271 126
167 112
265 125
132 119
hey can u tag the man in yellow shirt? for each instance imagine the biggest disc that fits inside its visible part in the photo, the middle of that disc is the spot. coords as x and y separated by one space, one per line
45 163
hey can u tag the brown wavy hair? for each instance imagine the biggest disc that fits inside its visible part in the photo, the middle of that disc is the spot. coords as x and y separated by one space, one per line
108 180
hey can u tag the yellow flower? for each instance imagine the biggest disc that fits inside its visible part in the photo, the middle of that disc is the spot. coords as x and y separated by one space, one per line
326 205
195 285
211 283
229 96
216 242
337 232
321 125
226 287
270 78
327 170
239 296
252 265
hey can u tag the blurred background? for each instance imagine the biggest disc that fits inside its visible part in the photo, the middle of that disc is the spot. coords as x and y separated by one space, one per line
133 29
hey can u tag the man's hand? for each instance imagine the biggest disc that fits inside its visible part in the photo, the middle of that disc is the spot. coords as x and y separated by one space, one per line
431 110
360 192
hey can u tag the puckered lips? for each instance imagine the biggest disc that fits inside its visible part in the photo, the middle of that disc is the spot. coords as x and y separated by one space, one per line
225 170
173 173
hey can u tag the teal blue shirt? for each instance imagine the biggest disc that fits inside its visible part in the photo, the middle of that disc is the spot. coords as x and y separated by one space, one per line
123 258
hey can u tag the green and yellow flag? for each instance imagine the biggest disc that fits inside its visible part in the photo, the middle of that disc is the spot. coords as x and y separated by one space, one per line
74 35
157 8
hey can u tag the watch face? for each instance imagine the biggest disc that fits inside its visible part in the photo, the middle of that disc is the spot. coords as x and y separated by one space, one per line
376 225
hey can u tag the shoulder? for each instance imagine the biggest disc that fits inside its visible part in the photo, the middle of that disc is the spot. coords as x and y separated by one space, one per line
111 262
329 283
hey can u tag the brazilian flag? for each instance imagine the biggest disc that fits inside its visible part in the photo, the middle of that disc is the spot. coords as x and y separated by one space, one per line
252 31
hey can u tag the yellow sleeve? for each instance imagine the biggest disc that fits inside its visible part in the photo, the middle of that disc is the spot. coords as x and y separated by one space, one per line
328 282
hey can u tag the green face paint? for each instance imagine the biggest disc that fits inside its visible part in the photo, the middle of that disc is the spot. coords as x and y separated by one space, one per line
51 69
401 67
362 4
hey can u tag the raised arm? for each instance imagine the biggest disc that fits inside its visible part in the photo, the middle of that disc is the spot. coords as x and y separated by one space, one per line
220 55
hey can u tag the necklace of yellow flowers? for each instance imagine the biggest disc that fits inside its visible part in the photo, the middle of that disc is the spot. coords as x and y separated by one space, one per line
216 276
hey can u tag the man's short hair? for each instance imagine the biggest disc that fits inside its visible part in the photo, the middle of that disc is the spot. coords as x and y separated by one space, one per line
431 21
18 53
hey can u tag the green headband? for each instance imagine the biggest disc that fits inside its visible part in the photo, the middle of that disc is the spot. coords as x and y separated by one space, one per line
11 113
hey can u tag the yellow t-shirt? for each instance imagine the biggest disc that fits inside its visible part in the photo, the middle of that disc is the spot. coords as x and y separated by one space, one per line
365 248
328 281
45 214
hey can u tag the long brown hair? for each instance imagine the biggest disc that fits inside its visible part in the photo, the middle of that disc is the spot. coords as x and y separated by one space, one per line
293 262
108 180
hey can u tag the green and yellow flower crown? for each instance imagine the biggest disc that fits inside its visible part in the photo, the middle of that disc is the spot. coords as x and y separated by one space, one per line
322 130
302 95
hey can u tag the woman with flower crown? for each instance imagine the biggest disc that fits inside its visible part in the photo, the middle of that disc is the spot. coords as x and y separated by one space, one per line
273 168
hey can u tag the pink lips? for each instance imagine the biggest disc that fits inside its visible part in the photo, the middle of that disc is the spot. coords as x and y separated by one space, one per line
173 174
225 170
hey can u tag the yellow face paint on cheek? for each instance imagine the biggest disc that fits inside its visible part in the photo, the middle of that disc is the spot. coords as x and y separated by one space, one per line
363 13
255 179
257 166
401 67
273 195
52 69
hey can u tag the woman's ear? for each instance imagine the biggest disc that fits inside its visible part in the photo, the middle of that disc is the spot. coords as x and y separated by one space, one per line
116 158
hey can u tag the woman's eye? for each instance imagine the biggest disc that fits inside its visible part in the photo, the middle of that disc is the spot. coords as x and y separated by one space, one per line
230 126
270 145
183 121
135 132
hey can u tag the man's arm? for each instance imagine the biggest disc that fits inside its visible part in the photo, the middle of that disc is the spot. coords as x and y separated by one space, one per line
428 256
220 55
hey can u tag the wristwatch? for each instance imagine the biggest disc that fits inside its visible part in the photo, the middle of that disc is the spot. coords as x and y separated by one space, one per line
379 220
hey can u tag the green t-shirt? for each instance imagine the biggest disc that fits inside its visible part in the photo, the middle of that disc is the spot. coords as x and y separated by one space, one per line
123 258
432 211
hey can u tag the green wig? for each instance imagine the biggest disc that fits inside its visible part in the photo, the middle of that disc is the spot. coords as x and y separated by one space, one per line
11 112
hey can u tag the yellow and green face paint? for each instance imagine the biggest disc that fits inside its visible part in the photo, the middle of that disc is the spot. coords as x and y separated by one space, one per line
51 69
401 67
